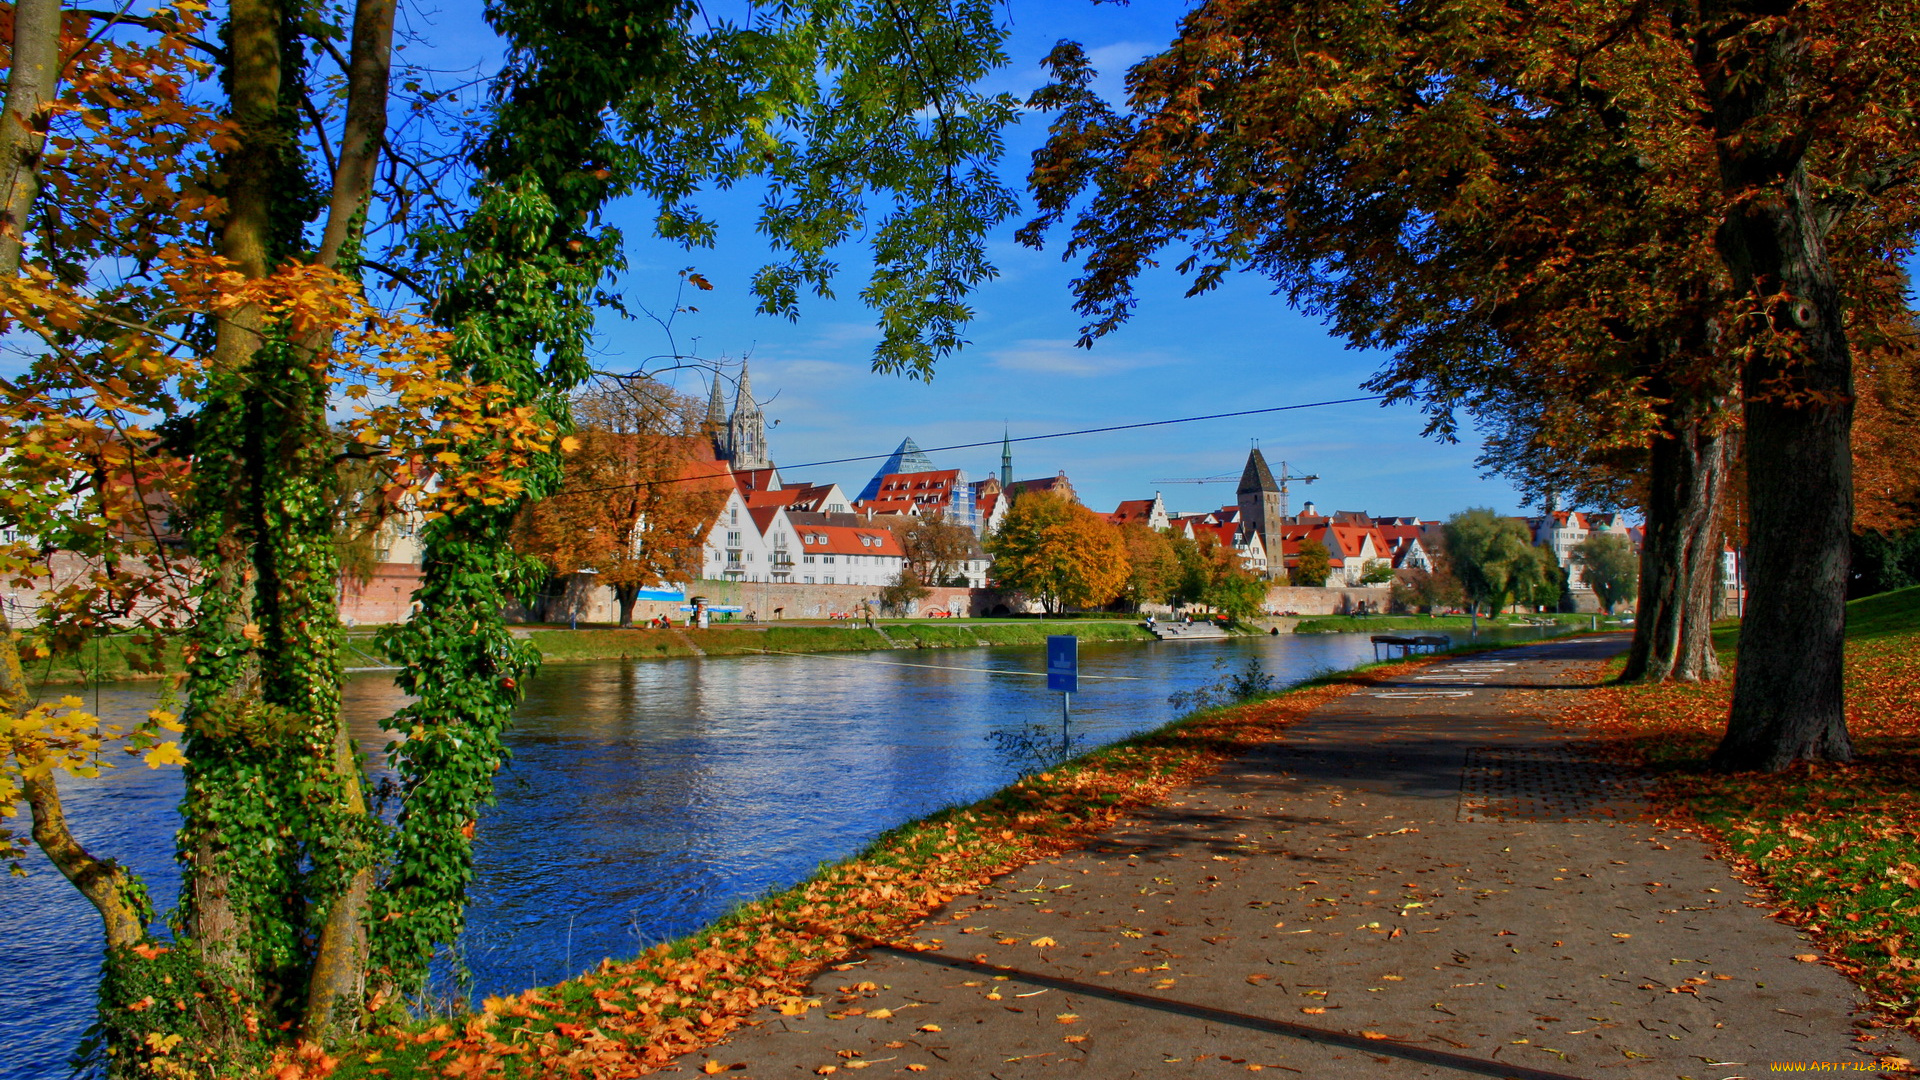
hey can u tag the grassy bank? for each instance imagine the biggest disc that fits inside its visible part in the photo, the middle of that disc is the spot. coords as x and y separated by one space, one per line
561 645
682 995
1437 624
114 658
1833 843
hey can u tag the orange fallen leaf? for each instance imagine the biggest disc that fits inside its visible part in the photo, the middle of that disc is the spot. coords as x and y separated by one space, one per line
1807 957
929 1027
1066 1018
1374 1035
916 1067
1043 943
1312 1010
712 1067
880 1014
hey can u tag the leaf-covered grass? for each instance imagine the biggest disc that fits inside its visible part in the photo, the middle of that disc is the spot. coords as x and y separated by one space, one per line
1834 843
630 1016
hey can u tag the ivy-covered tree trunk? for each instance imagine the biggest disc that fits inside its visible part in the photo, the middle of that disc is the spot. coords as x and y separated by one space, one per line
1680 554
275 834
1788 696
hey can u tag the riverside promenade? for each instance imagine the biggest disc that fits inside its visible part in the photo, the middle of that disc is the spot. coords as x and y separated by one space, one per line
1424 878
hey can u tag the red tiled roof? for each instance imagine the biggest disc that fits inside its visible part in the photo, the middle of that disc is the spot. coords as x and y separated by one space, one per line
902 493
843 540
1131 510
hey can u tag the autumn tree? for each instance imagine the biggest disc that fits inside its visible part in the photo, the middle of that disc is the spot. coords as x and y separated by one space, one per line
1653 223
1312 564
936 549
1609 567
1052 548
1153 566
1428 591
635 498
902 592
244 327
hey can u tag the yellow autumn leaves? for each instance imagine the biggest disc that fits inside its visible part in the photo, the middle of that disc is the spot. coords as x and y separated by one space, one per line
63 737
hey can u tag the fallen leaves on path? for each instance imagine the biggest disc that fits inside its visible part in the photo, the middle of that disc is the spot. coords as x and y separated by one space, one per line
1834 844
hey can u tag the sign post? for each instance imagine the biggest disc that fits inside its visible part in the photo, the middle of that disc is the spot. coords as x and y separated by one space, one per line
1063 674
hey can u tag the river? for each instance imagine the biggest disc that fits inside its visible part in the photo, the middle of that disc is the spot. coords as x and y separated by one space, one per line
645 798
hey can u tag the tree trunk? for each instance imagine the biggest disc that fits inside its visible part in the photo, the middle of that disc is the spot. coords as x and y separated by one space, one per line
31 81
223 475
105 883
340 957
1788 697
627 596
1680 556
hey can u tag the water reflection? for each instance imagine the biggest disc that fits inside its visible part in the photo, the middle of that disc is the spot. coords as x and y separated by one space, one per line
645 798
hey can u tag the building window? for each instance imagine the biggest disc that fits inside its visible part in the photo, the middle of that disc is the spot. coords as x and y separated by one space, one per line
829 579
828 559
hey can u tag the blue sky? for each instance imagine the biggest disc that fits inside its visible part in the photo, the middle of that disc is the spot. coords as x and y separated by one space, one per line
1236 348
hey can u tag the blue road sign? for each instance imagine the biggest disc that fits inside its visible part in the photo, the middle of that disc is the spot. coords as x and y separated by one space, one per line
1063 663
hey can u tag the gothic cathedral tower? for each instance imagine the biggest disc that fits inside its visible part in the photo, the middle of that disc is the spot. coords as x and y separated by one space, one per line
746 437
1259 499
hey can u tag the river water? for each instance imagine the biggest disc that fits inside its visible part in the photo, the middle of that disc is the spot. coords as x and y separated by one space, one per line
645 798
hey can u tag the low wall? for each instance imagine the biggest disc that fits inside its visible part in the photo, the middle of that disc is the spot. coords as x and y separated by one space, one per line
1306 600
591 602
385 598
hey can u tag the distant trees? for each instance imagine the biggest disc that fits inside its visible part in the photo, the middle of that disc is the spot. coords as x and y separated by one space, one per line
1611 568
1427 590
1492 556
1058 551
1210 573
1312 566
632 505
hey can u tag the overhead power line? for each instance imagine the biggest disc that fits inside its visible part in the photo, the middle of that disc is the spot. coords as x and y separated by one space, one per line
997 442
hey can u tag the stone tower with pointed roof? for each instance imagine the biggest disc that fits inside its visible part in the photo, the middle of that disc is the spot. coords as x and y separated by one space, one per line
1259 498
743 445
716 412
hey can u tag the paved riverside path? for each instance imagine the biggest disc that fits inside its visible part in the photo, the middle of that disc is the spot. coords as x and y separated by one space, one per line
1422 879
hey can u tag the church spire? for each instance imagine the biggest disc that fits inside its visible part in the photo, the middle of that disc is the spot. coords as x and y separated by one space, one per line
747 429
743 398
716 407
1006 459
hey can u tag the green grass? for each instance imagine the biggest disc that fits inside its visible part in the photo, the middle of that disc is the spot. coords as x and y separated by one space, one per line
110 659
738 640
1884 615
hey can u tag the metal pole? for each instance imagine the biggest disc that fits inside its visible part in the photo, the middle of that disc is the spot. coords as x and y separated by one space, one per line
1066 707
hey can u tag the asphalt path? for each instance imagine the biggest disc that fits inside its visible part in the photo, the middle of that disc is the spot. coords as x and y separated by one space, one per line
1424 878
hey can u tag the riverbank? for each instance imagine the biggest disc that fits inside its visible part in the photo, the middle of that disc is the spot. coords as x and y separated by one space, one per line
691 992
743 640
1438 624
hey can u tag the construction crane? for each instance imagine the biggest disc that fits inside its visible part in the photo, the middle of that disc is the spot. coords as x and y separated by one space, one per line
1283 478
